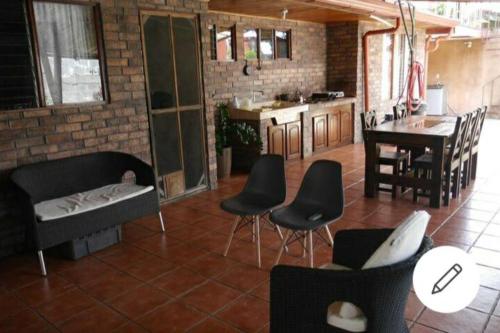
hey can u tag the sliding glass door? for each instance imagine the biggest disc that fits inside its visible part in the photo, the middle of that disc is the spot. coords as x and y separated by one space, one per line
172 63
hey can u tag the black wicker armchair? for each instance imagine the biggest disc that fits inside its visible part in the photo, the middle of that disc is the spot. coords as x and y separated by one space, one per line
300 296
50 180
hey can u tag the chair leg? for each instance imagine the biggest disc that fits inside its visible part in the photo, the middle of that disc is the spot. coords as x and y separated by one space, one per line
231 235
473 168
257 235
282 247
304 245
456 183
329 234
311 252
161 221
404 172
42 263
415 189
447 188
465 168
253 231
395 171
280 234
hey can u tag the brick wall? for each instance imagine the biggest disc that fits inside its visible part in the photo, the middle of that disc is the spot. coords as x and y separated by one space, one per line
224 80
342 53
119 124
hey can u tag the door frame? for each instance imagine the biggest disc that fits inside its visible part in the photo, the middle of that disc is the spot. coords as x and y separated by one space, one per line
177 108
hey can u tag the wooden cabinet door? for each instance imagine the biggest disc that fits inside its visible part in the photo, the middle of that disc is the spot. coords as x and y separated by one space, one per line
334 128
293 140
276 140
320 137
346 125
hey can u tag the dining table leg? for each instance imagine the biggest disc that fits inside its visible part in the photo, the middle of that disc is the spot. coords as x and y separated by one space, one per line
437 171
370 165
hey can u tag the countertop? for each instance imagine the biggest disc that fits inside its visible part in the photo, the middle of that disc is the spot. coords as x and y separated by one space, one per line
285 114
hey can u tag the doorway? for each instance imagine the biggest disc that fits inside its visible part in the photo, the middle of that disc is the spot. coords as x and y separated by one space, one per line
175 107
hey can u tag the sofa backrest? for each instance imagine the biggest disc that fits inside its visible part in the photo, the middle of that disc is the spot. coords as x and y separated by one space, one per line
52 179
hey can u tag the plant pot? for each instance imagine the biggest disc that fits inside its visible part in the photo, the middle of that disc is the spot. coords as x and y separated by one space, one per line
224 163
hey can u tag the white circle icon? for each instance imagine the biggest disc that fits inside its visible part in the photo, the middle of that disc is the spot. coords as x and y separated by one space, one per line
446 279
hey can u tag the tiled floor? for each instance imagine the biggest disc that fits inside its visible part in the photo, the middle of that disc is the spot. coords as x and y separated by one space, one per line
178 281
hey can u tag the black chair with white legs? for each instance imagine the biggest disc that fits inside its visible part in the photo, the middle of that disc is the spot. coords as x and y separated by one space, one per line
319 202
265 190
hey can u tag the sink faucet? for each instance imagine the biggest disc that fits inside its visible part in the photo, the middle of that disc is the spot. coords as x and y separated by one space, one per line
254 93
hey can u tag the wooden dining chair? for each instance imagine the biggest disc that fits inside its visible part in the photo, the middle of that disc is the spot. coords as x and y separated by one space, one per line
469 140
422 165
474 152
400 111
397 159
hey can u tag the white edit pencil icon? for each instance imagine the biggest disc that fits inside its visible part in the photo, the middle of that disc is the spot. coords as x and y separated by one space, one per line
450 275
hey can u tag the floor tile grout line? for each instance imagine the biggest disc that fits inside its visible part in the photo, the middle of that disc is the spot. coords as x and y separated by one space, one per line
492 311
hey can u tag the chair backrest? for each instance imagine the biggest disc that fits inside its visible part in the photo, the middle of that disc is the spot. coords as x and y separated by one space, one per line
321 190
479 129
368 121
400 111
471 131
458 138
52 179
268 177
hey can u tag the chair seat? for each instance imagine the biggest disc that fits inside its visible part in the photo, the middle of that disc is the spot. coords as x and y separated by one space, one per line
297 218
424 159
247 203
389 157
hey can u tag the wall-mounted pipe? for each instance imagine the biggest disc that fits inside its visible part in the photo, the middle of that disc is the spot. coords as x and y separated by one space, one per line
430 49
366 57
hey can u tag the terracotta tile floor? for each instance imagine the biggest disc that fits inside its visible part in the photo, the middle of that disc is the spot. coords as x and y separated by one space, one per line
178 281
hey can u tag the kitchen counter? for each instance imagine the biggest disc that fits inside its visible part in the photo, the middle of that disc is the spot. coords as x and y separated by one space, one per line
294 130
288 113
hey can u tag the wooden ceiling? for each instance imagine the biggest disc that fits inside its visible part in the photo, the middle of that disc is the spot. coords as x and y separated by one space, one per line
324 11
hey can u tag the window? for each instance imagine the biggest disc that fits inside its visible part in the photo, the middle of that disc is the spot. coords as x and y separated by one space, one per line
68 53
18 89
283 44
250 44
387 66
266 44
222 43
67 68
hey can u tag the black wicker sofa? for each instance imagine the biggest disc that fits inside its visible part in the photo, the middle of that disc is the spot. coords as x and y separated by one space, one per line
72 197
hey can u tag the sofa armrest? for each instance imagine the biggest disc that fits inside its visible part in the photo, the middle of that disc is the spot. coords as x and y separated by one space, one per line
144 173
353 247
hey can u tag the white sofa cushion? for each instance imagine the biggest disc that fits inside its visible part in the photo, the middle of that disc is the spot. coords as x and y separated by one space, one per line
87 201
401 244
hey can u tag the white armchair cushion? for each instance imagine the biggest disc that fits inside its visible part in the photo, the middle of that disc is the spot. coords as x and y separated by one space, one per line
401 244
351 324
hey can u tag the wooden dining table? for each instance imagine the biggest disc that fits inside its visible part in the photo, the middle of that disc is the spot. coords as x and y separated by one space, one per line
432 132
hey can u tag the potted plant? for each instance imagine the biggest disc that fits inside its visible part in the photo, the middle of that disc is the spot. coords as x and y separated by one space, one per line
226 131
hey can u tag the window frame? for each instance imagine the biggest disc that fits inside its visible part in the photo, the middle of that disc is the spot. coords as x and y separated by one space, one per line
289 42
36 52
390 67
257 31
273 39
213 34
